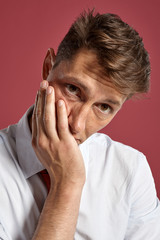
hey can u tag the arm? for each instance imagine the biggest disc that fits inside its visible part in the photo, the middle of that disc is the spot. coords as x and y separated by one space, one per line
58 151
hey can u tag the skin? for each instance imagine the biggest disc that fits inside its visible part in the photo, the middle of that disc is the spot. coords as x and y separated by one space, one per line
74 101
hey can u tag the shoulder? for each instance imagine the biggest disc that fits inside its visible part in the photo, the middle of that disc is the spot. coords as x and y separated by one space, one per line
123 169
102 144
114 158
7 146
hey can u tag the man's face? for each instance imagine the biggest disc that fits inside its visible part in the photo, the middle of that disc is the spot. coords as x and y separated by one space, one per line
91 100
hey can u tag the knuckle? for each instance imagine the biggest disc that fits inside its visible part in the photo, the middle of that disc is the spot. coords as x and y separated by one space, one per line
42 143
39 143
39 112
34 117
63 126
49 98
47 117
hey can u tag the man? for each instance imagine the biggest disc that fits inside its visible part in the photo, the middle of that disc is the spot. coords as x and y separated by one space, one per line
99 189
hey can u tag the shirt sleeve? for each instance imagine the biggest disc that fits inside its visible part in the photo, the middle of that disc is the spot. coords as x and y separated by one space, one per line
144 219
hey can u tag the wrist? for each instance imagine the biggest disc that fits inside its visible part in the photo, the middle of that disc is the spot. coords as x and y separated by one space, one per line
66 190
63 181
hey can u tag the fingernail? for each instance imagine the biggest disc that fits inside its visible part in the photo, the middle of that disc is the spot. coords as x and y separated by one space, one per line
43 84
49 90
60 103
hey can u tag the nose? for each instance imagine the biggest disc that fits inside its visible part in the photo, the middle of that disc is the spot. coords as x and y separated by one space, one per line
77 118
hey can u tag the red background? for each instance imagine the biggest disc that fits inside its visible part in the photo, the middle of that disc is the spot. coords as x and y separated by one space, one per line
29 27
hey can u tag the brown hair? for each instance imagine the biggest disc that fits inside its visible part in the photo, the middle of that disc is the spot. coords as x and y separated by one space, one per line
118 47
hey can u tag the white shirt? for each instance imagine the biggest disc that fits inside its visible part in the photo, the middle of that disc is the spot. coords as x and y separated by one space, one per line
118 200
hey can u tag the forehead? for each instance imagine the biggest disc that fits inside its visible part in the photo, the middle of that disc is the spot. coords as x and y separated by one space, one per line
84 62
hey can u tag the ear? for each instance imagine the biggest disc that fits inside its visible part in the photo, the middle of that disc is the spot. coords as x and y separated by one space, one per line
48 63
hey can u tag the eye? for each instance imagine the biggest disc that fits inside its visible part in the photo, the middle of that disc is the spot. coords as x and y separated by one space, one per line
104 108
72 89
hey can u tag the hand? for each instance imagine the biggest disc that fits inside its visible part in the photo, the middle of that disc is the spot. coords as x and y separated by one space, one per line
53 142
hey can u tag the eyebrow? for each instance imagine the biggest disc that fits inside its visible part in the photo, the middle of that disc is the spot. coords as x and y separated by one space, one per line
78 82
114 102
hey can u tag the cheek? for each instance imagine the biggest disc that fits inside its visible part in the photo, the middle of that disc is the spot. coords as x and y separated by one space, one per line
93 126
59 95
107 122
98 125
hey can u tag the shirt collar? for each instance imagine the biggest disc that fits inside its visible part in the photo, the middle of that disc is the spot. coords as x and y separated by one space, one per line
28 160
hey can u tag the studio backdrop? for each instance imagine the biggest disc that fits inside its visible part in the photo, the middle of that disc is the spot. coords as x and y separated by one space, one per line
29 28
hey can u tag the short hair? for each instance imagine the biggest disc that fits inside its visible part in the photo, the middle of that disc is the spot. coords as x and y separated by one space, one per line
119 49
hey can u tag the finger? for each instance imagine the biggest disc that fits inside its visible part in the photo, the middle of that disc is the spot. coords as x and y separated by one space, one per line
43 87
49 116
41 135
34 124
62 120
